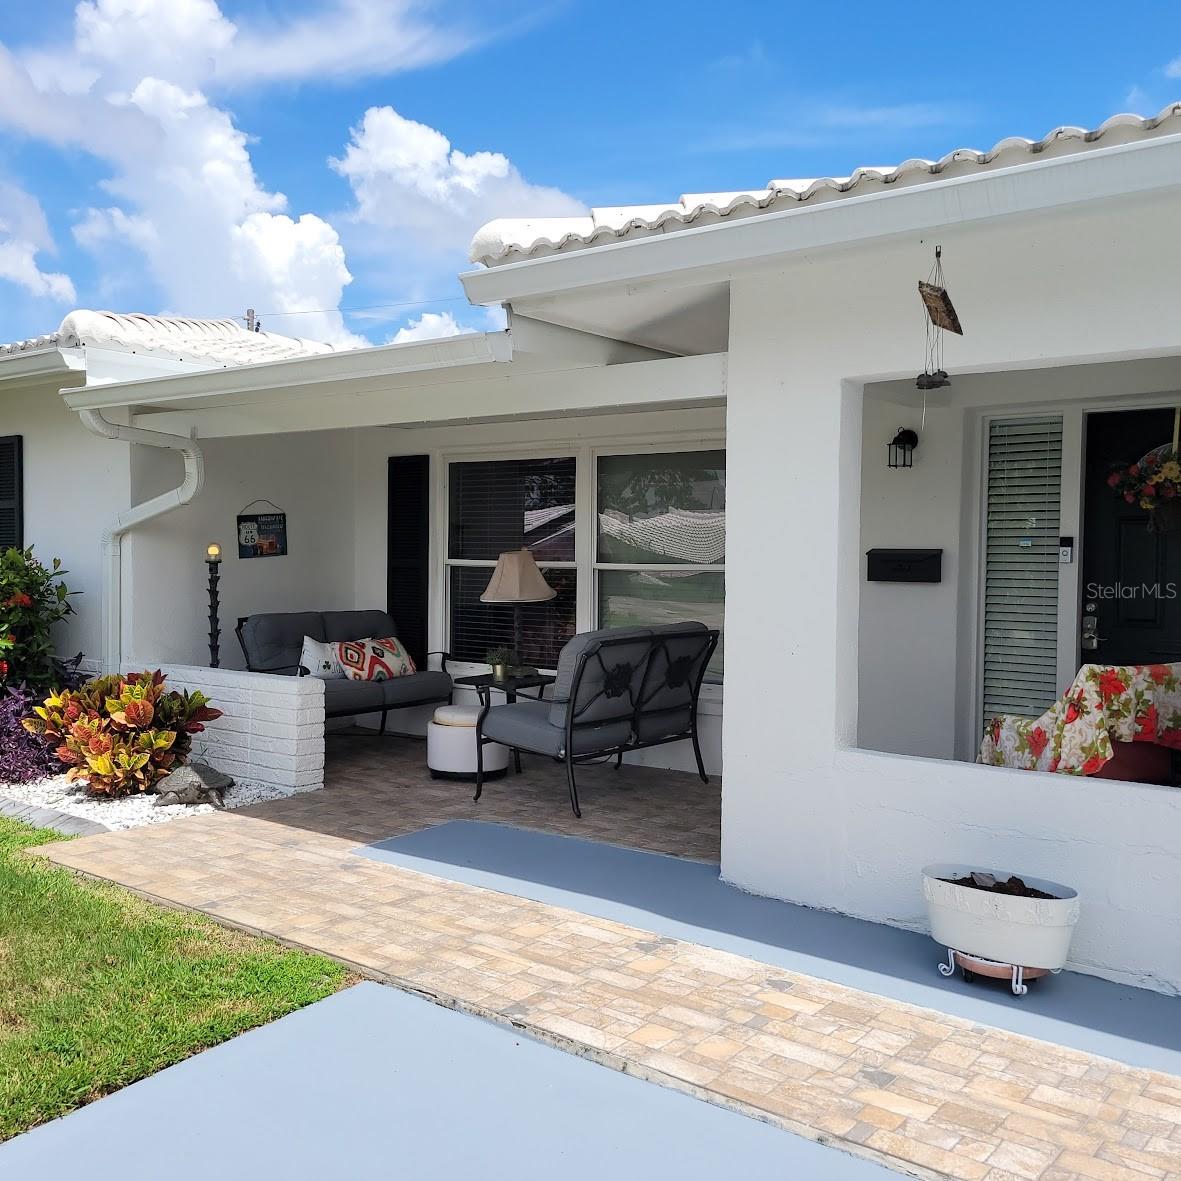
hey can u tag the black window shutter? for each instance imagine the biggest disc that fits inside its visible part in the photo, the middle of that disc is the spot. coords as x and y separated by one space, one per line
408 551
12 525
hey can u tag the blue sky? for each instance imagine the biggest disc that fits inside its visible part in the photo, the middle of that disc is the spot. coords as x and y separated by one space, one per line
196 157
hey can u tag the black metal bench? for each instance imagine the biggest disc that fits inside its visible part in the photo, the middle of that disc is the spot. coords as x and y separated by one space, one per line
617 690
272 643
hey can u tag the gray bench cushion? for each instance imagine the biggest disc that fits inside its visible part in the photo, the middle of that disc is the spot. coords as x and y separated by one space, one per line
357 625
273 642
425 686
526 724
353 697
625 654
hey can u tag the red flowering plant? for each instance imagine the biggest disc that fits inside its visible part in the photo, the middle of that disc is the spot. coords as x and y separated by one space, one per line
120 735
32 599
1150 481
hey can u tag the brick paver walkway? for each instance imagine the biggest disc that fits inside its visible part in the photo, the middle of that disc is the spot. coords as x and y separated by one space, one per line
927 1094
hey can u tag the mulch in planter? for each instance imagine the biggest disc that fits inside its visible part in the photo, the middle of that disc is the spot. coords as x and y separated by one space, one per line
1012 886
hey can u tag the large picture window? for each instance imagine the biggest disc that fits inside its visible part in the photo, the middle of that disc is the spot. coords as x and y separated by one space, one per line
651 551
500 505
661 540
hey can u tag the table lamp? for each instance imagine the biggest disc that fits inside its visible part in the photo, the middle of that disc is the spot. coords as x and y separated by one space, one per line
517 579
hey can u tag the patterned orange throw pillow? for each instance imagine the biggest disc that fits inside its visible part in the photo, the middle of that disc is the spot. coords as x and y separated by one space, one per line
374 660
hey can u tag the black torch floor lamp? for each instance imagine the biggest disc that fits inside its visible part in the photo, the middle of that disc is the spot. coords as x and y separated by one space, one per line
213 561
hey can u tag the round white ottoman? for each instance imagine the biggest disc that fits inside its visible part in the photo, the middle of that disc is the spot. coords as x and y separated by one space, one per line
451 745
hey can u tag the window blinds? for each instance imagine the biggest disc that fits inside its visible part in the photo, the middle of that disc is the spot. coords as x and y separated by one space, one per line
1021 566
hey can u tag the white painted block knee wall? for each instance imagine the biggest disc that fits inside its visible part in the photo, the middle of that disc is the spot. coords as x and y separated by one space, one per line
272 728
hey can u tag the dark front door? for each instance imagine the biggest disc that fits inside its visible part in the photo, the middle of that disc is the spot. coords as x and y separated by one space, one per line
1131 575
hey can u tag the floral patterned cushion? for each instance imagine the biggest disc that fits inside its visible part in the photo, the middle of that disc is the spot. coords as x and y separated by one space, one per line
1104 704
374 660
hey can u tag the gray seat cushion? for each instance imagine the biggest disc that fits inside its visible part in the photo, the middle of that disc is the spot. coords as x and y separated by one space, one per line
344 697
526 724
621 653
424 686
357 625
654 727
274 641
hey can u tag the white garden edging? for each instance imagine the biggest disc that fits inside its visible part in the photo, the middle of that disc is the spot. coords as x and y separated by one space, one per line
60 795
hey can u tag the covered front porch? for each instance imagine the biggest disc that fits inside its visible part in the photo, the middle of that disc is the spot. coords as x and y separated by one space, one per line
401 474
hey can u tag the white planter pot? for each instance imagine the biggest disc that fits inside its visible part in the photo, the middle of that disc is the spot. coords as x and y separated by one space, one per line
1029 932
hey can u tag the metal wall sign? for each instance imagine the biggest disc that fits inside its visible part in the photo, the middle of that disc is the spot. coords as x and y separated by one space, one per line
262 535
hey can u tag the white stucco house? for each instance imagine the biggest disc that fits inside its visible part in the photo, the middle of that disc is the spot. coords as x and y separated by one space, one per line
761 347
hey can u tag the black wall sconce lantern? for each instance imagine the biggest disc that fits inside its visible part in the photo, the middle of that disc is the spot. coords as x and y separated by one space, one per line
213 561
900 449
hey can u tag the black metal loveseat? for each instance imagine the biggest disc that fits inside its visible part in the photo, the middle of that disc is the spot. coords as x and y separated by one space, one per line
617 689
272 643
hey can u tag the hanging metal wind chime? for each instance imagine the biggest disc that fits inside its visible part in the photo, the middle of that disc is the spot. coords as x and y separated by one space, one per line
940 318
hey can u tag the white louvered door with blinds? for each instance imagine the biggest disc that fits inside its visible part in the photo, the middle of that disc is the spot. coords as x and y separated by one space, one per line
1024 467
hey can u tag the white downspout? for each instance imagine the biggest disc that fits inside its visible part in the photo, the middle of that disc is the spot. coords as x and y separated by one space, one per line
112 536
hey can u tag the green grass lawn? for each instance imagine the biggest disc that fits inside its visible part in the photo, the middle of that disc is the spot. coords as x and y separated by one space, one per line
99 988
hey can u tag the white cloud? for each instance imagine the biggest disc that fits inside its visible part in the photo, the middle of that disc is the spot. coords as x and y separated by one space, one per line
24 233
1173 69
344 40
429 326
430 197
1138 101
131 88
753 57
828 125
193 43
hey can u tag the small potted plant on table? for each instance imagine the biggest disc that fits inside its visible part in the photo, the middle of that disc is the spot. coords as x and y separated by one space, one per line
500 661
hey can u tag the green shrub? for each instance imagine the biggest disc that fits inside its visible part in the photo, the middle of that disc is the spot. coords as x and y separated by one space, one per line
122 734
32 599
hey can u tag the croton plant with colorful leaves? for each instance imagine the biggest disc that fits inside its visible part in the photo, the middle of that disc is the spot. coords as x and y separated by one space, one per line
120 735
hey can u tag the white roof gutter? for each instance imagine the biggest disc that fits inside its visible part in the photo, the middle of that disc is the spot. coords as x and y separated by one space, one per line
273 378
700 253
40 363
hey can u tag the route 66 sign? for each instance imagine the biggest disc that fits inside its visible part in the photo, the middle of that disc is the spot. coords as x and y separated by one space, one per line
262 535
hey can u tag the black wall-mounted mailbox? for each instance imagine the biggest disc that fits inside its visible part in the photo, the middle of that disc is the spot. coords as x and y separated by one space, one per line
904 565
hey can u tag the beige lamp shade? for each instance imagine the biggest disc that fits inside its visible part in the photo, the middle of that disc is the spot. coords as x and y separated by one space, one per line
517 579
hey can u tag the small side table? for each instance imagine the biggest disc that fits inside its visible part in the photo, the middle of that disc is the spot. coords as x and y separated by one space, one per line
484 683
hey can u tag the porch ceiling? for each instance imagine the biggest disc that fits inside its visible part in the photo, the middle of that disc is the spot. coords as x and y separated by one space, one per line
470 378
682 320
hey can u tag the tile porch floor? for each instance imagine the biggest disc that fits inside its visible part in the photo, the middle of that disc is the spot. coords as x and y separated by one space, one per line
925 1093
380 787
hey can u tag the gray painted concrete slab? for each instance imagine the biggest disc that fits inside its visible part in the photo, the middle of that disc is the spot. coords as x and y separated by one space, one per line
40 817
687 900
375 1083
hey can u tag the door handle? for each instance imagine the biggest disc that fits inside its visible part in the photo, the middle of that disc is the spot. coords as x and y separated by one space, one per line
1091 637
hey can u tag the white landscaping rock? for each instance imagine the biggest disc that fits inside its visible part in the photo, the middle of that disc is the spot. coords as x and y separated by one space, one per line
130 811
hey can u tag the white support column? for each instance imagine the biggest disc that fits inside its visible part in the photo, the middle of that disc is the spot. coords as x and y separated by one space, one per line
794 458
